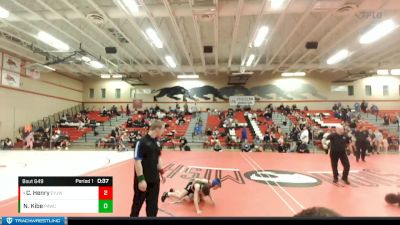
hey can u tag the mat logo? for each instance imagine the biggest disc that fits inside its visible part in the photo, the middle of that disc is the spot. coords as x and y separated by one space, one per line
282 178
9 220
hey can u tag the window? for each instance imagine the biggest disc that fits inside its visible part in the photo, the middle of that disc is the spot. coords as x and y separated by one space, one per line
368 91
350 90
91 93
103 93
118 93
385 90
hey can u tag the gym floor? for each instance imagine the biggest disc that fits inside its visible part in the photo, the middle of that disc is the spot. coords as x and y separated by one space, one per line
253 184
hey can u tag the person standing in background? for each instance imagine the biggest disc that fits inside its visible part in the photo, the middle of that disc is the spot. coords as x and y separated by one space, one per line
361 136
337 152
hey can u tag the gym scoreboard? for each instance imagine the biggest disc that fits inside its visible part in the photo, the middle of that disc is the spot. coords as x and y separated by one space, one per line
65 195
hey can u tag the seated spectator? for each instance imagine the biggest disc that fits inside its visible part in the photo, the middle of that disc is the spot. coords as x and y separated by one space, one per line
305 109
217 147
6 144
282 144
129 123
209 131
246 147
182 143
386 120
258 146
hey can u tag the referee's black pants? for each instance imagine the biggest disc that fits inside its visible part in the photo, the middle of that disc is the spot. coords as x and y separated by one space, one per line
151 197
361 151
342 156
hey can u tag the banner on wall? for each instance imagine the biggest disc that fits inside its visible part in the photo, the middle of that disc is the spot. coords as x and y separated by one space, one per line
242 100
137 103
11 63
10 78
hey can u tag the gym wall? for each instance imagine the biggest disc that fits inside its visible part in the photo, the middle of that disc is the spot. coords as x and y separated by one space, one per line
35 99
316 92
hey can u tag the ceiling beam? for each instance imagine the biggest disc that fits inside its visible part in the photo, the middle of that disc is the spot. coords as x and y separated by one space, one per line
271 35
293 31
238 13
81 31
216 36
301 43
255 29
362 49
179 34
130 42
345 36
326 36
158 30
198 38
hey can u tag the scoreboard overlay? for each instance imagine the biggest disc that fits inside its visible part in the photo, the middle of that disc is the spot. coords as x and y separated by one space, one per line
65 195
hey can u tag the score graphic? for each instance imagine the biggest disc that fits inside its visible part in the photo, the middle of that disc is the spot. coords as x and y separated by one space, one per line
65 195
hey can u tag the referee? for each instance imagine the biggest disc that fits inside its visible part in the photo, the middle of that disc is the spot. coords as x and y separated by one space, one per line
148 169
338 142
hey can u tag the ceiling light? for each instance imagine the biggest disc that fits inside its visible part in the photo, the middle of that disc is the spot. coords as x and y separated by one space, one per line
154 37
4 13
395 72
192 76
96 64
250 60
295 74
86 59
52 41
261 35
117 76
131 6
170 61
105 76
382 72
337 57
49 68
277 4
377 32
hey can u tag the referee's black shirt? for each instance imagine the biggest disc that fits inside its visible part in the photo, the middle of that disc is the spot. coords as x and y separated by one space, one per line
148 150
338 142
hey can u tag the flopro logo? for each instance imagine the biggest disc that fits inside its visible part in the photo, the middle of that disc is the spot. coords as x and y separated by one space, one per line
282 178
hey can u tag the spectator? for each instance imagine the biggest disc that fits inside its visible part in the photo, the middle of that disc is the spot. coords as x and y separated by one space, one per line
304 138
317 212
197 129
378 140
364 106
6 144
29 140
217 147
194 110
258 144
386 119
246 147
244 134
128 110
282 144
182 143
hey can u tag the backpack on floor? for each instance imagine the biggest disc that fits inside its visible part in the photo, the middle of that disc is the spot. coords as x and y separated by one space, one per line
186 148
